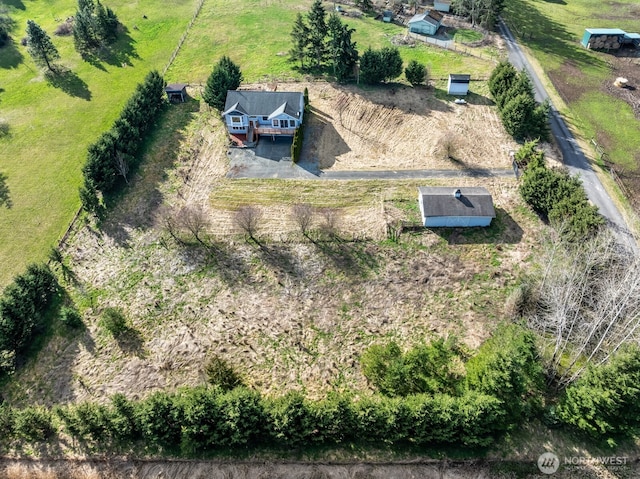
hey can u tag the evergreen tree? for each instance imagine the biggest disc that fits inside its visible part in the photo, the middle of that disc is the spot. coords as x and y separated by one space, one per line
84 35
371 68
225 76
40 46
392 62
343 50
501 79
300 37
318 30
6 23
106 23
415 72
364 5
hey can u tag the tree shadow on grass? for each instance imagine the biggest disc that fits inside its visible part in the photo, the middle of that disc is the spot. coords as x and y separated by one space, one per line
69 82
546 35
279 259
130 341
119 54
353 258
5 196
10 56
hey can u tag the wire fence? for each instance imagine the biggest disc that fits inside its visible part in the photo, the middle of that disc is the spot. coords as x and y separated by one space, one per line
183 38
453 46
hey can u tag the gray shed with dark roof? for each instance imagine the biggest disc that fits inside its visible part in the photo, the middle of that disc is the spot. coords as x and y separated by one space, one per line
176 91
444 206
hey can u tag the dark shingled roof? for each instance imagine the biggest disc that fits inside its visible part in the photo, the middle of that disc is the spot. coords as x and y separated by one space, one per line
459 78
441 201
263 103
175 87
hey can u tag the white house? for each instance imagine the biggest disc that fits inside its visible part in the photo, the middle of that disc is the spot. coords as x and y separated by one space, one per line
255 113
443 206
458 84
426 23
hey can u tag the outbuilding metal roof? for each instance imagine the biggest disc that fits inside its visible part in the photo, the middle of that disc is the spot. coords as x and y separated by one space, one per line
605 31
442 201
459 78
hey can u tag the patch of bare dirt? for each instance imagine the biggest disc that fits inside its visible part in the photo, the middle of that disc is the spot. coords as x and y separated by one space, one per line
123 469
568 81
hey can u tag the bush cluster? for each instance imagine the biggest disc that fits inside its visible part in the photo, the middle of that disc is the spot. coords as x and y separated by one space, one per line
115 152
505 368
93 26
24 305
557 196
521 115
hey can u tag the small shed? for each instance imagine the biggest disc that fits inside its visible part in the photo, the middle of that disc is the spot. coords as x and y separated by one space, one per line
603 38
632 38
458 84
443 206
176 92
426 23
387 16
442 5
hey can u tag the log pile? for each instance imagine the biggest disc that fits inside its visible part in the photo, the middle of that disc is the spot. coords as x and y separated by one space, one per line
604 42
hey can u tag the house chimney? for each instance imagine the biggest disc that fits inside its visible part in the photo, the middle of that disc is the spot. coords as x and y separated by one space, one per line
457 193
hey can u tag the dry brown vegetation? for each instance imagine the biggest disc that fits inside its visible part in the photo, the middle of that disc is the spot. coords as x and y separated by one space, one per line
286 312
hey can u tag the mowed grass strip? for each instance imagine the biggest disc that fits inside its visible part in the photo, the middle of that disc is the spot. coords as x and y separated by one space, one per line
552 32
233 194
50 127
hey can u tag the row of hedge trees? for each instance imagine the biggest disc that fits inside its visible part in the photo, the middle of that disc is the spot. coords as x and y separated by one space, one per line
114 154
522 116
24 306
204 419
557 196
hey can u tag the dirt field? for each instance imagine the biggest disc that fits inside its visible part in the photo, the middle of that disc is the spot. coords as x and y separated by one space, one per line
401 128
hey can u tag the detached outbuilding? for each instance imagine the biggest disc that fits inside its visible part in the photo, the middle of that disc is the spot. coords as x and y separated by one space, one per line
443 206
176 92
442 5
458 84
426 23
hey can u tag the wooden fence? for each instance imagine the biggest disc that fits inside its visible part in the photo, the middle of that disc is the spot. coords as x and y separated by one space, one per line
183 38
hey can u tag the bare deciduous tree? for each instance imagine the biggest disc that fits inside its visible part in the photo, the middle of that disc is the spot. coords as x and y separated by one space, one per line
302 214
330 222
589 304
195 221
248 220
122 165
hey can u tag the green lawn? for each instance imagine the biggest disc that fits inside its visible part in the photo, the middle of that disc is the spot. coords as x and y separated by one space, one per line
50 127
552 31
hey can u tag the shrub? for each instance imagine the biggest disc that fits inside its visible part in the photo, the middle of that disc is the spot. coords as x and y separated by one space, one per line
377 66
34 424
290 419
219 373
160 417
416 73
507 366
64 29
24 306
436 367
605 401
7 423
114 322
70 317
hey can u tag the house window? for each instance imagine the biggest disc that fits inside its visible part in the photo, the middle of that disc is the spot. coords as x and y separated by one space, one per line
236 119
276 123
265 118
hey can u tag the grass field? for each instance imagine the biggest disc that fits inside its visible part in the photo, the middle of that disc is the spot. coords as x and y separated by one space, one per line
50 127
552 31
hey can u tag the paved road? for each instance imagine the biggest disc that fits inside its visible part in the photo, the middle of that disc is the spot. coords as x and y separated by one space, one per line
573 157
